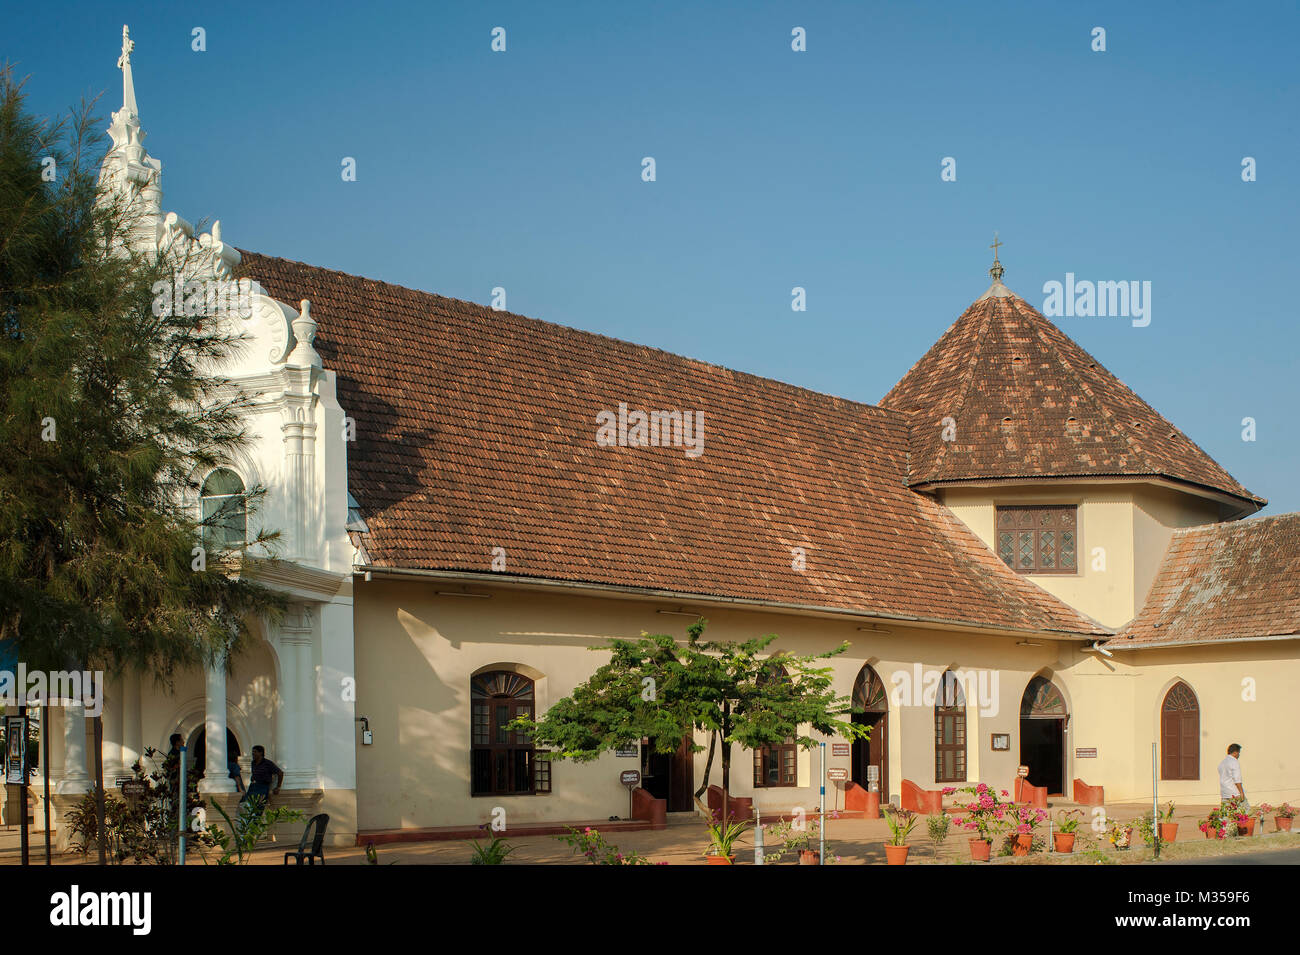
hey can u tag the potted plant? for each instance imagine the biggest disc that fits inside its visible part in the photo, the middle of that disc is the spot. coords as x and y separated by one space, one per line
1021 821
1282 815
1241 815
901 822
1066 830
1215 825
983 815
723 834
1168 828
796 838
1121 834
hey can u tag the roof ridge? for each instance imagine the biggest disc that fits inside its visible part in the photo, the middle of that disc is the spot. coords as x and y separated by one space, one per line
894 412
1241 525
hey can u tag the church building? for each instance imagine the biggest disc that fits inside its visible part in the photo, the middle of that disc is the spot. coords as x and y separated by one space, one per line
1031 565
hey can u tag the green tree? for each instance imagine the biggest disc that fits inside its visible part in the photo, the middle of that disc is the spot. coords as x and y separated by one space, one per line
660 688
109 414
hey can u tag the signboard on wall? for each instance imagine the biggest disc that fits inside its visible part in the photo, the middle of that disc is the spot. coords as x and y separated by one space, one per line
16 750
1086 752
629 750
841 749
629 777
837 774
1001 741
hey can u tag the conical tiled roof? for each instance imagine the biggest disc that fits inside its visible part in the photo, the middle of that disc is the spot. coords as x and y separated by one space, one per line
1026 401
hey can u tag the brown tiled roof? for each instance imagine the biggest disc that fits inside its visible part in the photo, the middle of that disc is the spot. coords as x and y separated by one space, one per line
1233 581
1027 401
477 429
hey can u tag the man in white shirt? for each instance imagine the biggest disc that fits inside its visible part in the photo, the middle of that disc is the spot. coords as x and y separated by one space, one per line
1230 774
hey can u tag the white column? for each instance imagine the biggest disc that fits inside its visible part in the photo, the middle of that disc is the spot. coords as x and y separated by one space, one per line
216 778
132 728
340 733
286 692
296 725
75 777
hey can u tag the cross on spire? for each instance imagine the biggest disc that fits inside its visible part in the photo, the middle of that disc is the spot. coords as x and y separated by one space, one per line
124 64
997 271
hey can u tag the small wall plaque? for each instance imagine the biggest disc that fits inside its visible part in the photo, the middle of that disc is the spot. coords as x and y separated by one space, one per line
1001 741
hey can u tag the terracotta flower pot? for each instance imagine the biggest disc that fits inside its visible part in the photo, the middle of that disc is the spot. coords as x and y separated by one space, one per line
1249 830
1064 841
1021 846
979 850
721 860
1213 834
897 855
873 806
1168 831
809 857
1283 823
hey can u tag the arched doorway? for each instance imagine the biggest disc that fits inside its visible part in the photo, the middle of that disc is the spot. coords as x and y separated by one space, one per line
1180 734
1043 718
869 696
196 748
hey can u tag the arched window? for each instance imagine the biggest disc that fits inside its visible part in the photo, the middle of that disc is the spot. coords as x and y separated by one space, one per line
502 760
225 510
1180 734
776 764
950 731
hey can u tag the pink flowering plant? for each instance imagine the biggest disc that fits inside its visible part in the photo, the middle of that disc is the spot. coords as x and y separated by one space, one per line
1284 811
593 847
1023 820
984 811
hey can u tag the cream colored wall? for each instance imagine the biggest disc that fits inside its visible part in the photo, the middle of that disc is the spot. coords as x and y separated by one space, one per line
416 652
1157 513
1247 694
1130 523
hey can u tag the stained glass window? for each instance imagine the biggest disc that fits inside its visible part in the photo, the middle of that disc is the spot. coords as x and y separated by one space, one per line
1038 540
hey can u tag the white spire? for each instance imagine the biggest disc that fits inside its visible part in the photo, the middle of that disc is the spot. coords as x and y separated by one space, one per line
134 178
124 64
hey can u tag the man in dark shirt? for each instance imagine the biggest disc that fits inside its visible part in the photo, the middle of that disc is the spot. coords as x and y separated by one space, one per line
260 777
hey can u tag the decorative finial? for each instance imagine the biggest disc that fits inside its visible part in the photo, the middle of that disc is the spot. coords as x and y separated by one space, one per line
304 355
124 64
997 271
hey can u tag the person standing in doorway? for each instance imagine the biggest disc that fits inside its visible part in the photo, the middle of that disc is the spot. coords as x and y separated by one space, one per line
1230 776
263 771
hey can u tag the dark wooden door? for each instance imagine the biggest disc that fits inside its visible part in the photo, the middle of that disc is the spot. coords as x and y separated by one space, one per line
681 789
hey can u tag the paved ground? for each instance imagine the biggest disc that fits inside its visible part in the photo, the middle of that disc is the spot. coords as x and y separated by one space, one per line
854 841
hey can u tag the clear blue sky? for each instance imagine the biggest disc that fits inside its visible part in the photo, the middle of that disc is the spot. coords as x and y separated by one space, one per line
775 169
